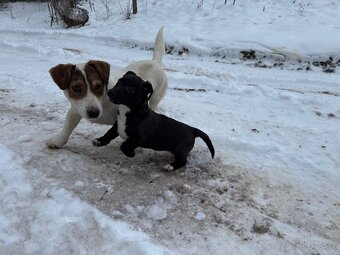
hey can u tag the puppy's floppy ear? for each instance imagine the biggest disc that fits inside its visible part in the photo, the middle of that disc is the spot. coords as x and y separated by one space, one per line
148 89
129 72
61 75
102 68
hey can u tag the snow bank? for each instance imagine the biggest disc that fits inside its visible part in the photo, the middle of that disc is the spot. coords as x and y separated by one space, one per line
295 29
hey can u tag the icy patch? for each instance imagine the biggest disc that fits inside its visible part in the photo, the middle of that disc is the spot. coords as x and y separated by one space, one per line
156 211
159 209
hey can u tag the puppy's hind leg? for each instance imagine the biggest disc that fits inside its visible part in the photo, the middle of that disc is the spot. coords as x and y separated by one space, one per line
111 134
71 121
128 148
180 160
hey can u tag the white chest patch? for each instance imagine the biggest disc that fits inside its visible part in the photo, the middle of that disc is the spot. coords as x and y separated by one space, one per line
121 120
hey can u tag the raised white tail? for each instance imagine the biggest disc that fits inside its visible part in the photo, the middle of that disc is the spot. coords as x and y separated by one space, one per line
159 49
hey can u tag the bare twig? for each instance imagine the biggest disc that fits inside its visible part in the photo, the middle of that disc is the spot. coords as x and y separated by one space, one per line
108 10
127 12
107 190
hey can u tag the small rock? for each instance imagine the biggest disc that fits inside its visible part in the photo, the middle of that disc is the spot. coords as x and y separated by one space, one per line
262 227
183 188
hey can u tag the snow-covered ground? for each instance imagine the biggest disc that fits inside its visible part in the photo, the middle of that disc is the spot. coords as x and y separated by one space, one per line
274 186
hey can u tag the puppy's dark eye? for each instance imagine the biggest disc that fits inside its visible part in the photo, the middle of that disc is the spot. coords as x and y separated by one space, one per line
76 89
130 90
98 87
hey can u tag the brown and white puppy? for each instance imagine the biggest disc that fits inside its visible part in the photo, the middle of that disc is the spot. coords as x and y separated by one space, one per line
85 86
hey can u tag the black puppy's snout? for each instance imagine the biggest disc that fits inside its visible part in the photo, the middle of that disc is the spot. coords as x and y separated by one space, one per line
92 112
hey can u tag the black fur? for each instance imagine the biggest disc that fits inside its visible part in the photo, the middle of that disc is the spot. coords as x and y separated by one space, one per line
148 129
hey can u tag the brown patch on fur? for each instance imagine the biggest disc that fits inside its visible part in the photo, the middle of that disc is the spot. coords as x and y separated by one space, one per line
77 88
95 81
102 68
61 75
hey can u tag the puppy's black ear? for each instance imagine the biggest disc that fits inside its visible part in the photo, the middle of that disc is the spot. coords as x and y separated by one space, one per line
129 72
61 75
148 89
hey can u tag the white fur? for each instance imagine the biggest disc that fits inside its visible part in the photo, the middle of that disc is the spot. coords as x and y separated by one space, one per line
89 101
148 70
121 120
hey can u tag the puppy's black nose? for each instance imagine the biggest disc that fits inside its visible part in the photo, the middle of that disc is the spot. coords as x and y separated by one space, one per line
92 113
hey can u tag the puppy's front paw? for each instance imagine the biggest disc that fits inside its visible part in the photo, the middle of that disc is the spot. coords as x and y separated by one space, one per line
97 143
168 168
56 142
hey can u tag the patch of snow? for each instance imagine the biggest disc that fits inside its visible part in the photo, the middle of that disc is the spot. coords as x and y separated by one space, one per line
79 183
117 214
170 197
200 216
25 138
156 211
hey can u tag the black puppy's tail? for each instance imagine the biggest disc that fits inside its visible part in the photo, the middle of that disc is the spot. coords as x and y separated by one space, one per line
206 139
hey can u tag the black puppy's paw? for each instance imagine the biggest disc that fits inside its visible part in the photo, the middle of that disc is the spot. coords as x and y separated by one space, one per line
98 143
127 151
168 168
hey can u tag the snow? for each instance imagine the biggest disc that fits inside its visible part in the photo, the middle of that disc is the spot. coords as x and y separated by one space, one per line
156 212
51 220
273 187
200 216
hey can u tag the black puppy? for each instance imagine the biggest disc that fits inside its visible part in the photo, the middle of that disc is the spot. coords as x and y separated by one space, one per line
142 127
